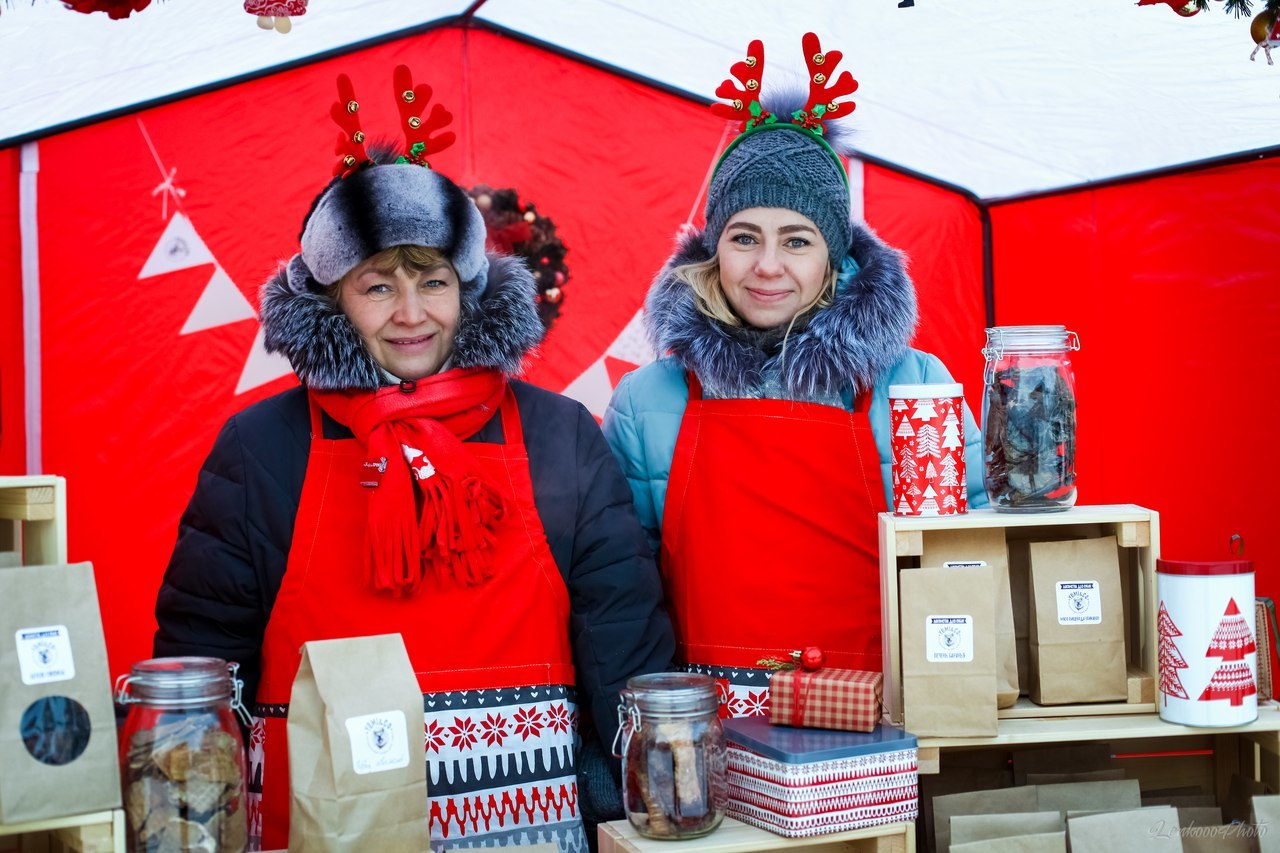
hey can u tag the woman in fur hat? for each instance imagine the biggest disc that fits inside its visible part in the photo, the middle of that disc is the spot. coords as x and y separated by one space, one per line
758 446
412 485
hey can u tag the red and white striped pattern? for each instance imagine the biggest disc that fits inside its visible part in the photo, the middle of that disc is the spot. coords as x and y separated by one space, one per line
798 800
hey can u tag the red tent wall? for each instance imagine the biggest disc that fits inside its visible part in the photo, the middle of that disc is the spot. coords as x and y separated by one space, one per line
941 234
13 446
1171 284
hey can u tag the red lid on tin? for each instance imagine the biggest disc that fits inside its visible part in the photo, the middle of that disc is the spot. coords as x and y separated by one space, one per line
1213 567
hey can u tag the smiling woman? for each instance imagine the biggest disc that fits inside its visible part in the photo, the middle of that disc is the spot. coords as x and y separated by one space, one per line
413 485
784 323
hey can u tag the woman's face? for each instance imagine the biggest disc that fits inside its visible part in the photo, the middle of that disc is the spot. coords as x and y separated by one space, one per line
773 262
407 321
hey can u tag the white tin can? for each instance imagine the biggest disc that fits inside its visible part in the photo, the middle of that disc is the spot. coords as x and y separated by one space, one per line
1206 650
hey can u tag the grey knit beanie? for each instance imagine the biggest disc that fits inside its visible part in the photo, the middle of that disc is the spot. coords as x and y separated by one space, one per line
781 166
396 204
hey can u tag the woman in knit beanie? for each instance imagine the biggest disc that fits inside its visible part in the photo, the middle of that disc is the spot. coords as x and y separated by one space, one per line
757 446
411 484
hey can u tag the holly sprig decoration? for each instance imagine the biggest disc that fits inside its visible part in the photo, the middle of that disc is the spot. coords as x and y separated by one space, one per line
809 659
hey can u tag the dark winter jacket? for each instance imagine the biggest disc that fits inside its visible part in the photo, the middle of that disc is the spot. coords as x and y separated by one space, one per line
234 537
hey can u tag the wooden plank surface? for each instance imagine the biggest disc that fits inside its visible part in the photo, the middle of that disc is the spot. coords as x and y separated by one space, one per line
31 503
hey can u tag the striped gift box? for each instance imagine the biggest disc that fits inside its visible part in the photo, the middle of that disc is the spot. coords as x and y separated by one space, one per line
800 782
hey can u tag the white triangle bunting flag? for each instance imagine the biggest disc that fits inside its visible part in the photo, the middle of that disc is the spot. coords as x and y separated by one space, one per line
178 248
220 303
261 367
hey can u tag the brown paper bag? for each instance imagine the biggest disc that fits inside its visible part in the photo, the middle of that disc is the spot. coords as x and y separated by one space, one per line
1044 842
961 771
1117 795
1235 838
57 725
954 548
1264 815
1152 829
948 651
357 759
1077 623
984 827
1000 801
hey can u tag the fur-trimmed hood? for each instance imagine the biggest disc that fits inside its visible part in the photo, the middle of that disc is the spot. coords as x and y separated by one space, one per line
844 345
497 328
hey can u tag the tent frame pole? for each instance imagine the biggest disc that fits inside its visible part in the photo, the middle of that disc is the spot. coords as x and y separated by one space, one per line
29 237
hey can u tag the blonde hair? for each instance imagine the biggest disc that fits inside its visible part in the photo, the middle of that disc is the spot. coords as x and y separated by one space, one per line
703 277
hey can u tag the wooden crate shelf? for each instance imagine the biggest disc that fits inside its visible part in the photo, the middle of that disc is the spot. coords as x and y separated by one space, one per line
33 521
1137 532
736 837
99 832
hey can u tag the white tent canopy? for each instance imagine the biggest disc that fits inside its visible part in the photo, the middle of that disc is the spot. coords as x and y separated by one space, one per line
997 97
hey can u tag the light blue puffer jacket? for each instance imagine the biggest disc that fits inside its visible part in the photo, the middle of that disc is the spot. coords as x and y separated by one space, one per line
643 420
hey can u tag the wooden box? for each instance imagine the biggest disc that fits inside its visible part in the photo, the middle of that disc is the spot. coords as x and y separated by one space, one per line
33 521
1137 532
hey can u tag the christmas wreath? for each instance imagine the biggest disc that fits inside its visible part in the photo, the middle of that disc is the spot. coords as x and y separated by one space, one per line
515 227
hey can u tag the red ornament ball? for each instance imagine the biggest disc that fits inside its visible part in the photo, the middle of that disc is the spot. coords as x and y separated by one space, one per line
553 295
812 658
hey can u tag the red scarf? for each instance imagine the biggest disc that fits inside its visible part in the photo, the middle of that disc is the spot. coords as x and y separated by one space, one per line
413 433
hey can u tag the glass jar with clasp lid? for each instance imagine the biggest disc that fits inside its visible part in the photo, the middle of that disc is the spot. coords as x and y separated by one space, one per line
182 759
673 755
1029 418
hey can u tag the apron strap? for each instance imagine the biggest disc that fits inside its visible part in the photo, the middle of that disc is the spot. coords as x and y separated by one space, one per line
862 402
695 387
316 416
512 430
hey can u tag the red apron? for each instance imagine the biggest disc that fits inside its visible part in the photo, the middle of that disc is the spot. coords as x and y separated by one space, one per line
769 536
509 632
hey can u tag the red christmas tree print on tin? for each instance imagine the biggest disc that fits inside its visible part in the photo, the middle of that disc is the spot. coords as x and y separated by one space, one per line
1232 642
1170 659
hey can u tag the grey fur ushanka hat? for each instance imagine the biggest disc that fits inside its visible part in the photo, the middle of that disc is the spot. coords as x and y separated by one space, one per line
380 200
395 204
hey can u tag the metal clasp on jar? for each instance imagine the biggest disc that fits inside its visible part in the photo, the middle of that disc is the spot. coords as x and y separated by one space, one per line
628 722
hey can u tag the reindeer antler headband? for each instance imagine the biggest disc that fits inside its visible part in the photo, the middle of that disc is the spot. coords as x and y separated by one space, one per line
820 107
411 100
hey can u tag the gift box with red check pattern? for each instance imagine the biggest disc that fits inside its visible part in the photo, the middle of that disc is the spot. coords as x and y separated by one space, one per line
801 782
827 698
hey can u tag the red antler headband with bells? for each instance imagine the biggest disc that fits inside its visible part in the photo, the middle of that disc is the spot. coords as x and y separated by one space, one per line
411 100
821 106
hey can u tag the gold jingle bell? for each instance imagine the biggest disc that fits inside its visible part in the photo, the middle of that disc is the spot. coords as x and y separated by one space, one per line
1261 26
